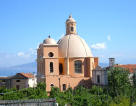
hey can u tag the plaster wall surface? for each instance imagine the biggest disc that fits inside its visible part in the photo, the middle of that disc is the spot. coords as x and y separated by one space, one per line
72 82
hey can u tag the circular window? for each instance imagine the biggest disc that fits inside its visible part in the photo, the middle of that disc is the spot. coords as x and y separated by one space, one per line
50 54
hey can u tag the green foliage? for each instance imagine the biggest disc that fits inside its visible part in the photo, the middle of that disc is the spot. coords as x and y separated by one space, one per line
118 81
55 92
4 90
120 101
96 90
41 86
81 96
134 80
27 93
60 97
119 92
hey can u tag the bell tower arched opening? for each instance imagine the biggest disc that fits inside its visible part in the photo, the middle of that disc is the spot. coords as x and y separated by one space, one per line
70 26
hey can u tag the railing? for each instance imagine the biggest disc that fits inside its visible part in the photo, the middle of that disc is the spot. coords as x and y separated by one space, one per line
31 102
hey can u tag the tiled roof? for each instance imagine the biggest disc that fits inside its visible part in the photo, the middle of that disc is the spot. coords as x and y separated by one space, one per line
130 67
98 68
27 75
3 77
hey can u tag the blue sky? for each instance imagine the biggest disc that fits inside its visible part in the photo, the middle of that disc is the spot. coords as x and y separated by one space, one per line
108 26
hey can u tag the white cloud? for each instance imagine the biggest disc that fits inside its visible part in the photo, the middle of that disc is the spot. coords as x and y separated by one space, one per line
98 46
11 59
108 37
30 53
20 54
21 57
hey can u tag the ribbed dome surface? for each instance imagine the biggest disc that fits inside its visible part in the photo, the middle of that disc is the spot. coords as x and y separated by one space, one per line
49 41
73 46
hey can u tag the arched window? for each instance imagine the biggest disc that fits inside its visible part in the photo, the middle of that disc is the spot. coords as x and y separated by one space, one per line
64 87
52 85
72 29
78 66
51 67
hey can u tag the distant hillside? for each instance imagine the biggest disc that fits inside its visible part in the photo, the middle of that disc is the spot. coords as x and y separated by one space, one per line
30 67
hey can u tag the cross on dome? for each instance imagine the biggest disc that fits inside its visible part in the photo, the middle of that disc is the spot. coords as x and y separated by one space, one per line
70 16
49 36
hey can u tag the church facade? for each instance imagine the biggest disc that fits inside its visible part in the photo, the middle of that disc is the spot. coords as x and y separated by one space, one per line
67 63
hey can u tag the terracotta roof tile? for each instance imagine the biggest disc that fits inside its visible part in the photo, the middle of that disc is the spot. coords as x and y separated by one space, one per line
130 67
27 75
3 77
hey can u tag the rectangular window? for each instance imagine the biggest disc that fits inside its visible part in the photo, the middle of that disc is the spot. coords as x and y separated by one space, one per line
3 81
51 67
98 79
64 87
78 66
17 80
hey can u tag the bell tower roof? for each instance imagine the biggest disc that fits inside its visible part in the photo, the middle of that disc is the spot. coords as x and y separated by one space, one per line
49 41
70 26
70 19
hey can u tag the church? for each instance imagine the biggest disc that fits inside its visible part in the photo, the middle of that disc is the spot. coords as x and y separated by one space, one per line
66 63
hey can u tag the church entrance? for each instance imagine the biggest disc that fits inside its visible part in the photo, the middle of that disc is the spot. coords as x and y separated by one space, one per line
60 68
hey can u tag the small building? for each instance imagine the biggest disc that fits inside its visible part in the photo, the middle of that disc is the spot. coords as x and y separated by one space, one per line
99 76
23 80
129 67
19 81
4 81
111 62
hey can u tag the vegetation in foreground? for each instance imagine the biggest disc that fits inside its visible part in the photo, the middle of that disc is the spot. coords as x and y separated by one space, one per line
119 92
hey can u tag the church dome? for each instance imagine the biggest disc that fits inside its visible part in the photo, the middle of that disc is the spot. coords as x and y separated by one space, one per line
73 46
49 41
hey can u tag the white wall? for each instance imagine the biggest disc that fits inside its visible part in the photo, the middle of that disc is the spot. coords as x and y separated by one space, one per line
103 77
32 82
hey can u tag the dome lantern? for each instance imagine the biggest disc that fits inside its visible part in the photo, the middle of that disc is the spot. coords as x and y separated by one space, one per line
70 26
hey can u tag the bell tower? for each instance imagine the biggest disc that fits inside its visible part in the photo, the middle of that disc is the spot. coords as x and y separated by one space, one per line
70 26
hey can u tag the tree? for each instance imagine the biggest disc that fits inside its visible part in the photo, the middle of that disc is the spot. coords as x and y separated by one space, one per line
60 96
27 93
123 101
118 81
134 80
40 90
